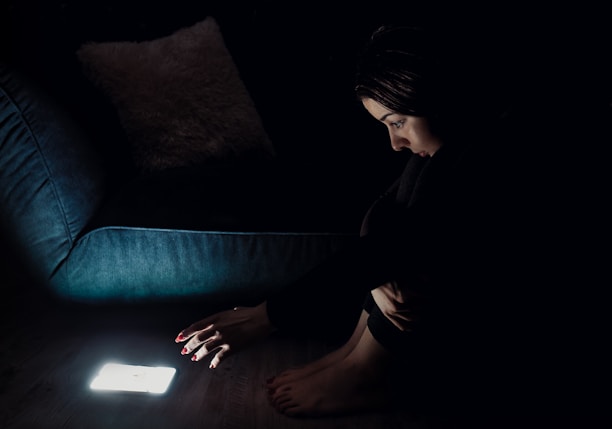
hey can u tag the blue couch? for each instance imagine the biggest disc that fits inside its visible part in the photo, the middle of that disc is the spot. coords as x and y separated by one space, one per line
173 235
93 230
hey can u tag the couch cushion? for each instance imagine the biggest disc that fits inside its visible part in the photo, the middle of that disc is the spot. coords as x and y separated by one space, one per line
130 264
50 183
232 231
180 98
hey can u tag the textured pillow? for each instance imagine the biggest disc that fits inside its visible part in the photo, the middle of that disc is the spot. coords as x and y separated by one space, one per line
180 98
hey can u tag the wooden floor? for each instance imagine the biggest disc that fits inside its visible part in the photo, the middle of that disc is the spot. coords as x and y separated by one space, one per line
50 352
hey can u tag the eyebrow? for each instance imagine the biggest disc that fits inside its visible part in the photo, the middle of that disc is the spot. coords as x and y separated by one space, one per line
383 117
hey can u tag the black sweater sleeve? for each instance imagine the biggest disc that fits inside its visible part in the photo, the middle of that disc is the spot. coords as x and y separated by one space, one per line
329 298
427 230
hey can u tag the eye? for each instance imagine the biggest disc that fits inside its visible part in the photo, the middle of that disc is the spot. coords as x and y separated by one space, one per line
398 124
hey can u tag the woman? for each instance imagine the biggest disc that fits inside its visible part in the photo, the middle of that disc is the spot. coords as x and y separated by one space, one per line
419 243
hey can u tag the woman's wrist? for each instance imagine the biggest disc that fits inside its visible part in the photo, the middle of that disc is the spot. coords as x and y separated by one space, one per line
263 318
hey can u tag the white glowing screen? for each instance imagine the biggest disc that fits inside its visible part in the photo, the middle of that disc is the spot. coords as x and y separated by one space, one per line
133 378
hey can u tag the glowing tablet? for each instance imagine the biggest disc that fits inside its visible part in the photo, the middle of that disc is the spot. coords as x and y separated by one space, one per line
133 378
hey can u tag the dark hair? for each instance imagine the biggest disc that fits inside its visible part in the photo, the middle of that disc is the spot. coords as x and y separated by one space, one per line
426 71
398 69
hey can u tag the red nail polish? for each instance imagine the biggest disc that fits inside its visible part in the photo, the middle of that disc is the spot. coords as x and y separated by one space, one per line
179 337
184 351
194 358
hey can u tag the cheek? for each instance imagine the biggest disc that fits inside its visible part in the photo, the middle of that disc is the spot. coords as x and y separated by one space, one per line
397 133
422 139
409 135
400 136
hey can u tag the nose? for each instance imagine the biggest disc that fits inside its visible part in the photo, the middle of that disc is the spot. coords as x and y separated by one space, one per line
398 143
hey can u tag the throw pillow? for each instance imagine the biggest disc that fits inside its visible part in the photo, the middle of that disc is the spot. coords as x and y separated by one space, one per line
180 98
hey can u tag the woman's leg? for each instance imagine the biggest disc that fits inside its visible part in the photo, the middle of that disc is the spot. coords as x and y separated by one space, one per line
337 355
357 381
326 303
366 319
359 376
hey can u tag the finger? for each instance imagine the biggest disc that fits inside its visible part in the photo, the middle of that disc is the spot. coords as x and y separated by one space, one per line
203 351
210 344
381 295
404 315
394 286
216 360
401 323
183 336
202 337
186 334
196 327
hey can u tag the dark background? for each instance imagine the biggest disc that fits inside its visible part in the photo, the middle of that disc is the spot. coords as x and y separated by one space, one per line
297 58
548 66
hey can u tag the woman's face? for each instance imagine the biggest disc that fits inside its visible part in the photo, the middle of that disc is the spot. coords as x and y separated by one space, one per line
406 132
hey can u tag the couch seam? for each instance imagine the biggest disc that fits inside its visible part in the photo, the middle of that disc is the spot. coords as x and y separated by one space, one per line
50 176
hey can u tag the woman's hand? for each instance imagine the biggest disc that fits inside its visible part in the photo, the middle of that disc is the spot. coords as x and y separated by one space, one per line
396 304
225 332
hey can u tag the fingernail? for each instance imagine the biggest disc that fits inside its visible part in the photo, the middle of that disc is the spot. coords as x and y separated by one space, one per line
184 351
212 366
194 358
179 337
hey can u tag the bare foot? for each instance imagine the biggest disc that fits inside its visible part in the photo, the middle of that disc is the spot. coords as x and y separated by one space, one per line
356 383
293 374
329 359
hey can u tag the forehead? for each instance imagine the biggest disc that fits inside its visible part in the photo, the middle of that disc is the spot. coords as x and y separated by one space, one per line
376 109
